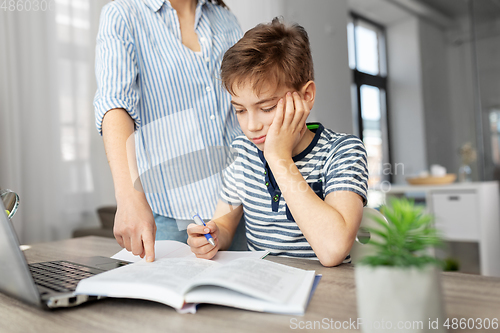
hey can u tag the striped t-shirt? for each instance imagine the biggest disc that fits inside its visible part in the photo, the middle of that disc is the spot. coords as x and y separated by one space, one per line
332 162
183 117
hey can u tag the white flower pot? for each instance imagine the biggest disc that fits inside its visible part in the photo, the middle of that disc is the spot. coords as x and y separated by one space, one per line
399 299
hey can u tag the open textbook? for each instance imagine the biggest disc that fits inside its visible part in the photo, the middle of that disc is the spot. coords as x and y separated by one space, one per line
247 283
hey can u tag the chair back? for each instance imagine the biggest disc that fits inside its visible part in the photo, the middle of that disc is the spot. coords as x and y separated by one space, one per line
360 248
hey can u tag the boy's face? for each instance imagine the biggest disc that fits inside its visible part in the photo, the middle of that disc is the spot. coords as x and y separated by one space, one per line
256 112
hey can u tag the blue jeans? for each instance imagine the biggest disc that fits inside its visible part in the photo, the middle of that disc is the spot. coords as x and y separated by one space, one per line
172 229
167 228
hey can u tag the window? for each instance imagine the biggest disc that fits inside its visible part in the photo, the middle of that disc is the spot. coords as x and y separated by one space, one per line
75 52
366 43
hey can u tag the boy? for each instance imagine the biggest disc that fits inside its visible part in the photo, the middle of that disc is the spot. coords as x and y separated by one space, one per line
301 190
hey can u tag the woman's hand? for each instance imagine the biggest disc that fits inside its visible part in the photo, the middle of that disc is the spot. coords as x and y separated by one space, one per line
135 226
199 244
288 127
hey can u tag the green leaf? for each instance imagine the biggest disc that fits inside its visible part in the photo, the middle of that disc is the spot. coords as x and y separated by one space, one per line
405 237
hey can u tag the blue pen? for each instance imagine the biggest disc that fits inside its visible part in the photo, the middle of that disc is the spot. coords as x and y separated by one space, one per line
199 221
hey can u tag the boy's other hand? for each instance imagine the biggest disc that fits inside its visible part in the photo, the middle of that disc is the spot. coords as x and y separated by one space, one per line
199 244
287 128
135 227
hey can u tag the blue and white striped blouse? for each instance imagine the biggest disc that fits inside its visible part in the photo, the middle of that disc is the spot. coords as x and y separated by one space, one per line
332 162
182 114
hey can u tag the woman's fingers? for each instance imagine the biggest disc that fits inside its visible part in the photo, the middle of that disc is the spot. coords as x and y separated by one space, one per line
120 241
136 244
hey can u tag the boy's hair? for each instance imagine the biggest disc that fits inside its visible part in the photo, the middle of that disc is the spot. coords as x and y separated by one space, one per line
274 53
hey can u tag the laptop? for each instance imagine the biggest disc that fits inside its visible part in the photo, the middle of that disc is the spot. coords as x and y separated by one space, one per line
46 285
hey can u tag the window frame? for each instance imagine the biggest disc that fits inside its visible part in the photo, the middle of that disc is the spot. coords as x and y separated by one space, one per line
379 81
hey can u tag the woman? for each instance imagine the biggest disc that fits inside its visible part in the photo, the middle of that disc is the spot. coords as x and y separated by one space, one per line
157 69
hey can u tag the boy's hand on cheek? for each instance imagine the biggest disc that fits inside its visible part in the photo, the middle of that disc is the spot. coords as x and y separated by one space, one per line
287 128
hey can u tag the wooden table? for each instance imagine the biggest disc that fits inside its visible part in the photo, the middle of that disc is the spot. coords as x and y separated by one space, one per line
466 296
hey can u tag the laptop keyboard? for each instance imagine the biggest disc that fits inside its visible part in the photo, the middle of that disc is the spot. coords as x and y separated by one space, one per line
62 276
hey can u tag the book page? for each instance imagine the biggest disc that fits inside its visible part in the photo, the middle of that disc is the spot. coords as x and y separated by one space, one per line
163 249
173 273
296 305
164 280
258 278
176 249
224 257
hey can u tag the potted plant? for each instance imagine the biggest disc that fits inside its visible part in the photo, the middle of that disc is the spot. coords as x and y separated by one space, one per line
398 287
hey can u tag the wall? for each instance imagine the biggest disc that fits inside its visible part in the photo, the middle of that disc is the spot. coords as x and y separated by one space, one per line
488 59
406 106
447 85
252 12
439 134
325 22
460 82
462 79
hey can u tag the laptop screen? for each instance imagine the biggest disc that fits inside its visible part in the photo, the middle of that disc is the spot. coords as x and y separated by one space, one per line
15 277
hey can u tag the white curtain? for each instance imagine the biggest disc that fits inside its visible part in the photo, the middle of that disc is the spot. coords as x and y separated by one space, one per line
50 152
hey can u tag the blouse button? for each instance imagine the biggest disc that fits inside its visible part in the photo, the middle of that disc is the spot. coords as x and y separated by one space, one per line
267 183
276 197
